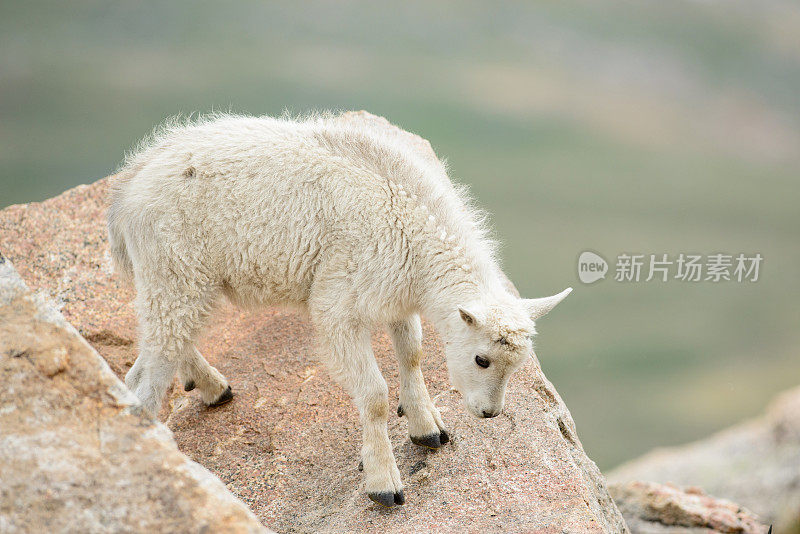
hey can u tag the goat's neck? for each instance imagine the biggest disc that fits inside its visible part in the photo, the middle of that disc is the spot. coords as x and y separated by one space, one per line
444 292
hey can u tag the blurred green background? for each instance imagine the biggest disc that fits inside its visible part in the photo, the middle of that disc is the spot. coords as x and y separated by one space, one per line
650 127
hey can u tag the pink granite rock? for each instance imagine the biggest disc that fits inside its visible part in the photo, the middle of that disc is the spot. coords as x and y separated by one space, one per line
755 463
288 443
76 455
651 508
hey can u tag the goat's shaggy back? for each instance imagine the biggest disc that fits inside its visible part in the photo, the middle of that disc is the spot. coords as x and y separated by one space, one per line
263 198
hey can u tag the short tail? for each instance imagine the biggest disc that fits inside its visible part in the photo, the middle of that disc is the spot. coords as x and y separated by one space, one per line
123 265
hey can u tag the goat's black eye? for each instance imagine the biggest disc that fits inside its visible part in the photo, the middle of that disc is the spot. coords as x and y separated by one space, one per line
482 362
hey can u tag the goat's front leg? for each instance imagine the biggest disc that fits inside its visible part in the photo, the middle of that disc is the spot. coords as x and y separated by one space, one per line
425 424
350 360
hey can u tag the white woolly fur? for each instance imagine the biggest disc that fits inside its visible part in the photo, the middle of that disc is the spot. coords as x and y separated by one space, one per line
339 219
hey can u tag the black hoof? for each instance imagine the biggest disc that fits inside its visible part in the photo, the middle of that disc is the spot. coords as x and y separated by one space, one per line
400 411
432 442
225 398
387 498
444 437
188 386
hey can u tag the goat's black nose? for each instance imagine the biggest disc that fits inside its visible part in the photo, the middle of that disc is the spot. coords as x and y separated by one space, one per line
489 414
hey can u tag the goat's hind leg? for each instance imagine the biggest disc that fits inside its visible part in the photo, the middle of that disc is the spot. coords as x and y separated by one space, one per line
170 313
195 372
150 377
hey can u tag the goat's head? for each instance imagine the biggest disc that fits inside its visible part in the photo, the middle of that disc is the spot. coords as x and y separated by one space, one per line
487 343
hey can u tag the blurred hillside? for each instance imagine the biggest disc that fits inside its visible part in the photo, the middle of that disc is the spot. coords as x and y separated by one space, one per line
650 127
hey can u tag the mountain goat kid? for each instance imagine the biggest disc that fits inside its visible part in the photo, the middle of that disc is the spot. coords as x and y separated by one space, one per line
342 220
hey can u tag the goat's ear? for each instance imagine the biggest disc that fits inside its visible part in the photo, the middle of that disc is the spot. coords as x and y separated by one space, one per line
470 315
539 307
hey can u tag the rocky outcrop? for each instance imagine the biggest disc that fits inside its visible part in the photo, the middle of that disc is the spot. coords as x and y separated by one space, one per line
651 508
75 453
755 464
288 443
